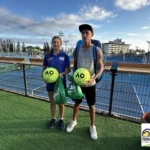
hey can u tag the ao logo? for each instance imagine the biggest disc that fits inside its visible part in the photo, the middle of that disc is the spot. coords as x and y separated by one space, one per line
49 72
80 75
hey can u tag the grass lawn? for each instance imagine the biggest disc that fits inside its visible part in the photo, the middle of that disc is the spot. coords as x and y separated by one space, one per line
23 126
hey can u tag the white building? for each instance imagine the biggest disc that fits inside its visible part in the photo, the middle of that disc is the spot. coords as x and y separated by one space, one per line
115 47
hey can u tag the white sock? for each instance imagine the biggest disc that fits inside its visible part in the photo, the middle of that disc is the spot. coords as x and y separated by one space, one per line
61 118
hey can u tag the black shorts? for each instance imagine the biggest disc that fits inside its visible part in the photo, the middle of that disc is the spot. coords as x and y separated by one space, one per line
90 95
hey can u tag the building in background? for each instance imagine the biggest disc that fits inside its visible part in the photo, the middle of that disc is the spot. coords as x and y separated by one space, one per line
148 57
115 47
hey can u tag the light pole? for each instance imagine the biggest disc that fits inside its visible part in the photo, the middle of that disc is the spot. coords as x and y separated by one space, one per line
66 42
61 34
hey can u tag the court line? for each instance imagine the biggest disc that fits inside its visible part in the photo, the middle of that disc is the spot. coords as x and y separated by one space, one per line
37 88
134 93
138 98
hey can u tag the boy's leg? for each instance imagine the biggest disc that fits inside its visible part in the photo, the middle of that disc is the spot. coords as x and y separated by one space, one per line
92 114
75 110
90 94
73 123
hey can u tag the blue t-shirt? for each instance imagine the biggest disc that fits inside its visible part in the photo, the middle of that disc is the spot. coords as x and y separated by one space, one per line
95 42
60 61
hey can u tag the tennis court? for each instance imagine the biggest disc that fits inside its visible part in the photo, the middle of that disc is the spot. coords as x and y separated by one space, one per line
127 100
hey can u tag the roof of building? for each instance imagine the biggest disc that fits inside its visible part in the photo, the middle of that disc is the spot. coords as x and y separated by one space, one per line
117 42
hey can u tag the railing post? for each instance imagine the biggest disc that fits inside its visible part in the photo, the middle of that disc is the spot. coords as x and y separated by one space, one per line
25 81
113 71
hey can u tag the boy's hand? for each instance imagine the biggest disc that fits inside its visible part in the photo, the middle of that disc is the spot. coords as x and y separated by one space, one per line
89 82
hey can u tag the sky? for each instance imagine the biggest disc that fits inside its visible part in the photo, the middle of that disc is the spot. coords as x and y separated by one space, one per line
37 21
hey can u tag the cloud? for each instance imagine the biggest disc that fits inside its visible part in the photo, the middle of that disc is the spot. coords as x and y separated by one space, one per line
51 25
140 42
94 13
29 29
147 35
133 34
132 5
145 27
11 22
108 21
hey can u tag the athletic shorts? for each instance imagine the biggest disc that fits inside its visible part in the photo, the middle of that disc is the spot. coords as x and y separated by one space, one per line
90 95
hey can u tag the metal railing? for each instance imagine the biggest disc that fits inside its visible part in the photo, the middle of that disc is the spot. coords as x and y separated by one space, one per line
122 94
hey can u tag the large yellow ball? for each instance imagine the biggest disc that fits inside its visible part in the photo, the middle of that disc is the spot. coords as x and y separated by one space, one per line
81 76
50 75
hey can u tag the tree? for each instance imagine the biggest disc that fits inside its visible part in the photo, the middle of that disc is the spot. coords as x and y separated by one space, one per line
47 47
104 52
18 47
4 46
113 53
44 47
37 47
14 47
11 47
23 47
121 52
29 47
7 45
1 47
9 41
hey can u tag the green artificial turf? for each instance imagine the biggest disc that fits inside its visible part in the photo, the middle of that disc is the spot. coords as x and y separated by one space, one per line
23 126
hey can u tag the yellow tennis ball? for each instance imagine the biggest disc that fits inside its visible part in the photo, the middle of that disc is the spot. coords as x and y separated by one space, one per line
81 76
50 75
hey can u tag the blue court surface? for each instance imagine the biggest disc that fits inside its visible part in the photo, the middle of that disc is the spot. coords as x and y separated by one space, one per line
131 92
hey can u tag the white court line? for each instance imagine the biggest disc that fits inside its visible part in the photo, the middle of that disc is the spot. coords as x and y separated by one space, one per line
103 82
138 98
134 91
129 75
37 88
12 85
98 86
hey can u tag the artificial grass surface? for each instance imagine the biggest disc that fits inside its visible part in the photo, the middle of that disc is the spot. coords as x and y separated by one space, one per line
23 126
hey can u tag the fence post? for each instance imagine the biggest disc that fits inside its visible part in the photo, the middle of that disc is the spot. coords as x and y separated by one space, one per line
113 71
25 81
